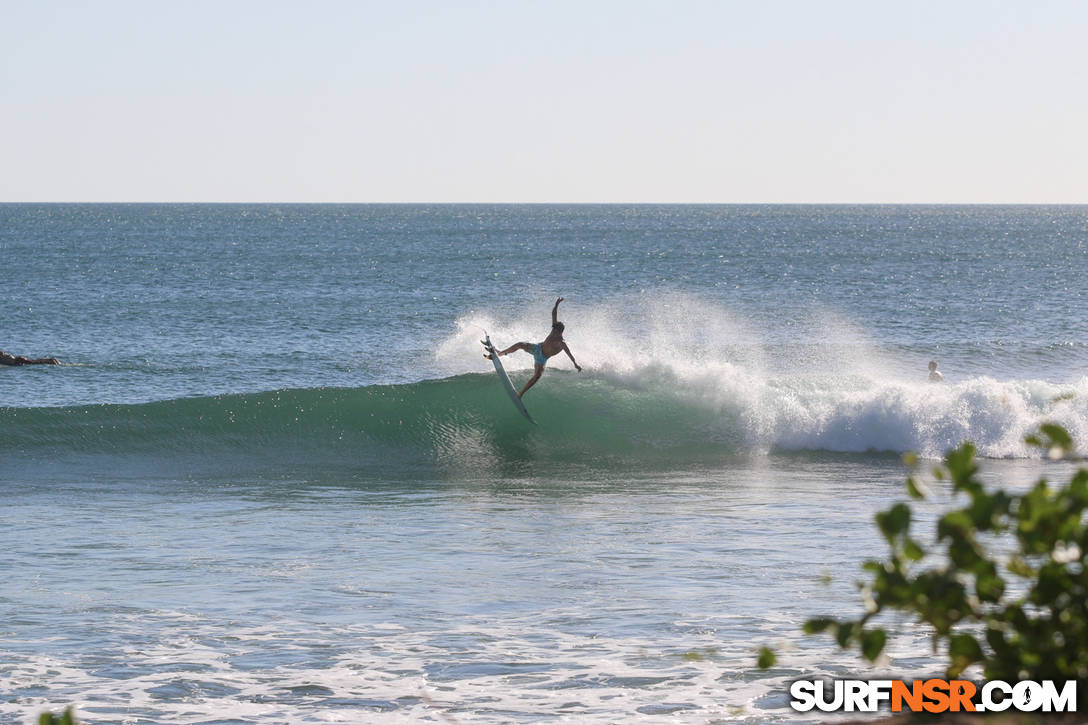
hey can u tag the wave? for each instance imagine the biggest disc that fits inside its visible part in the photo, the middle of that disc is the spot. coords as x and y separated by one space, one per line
670 380
603 418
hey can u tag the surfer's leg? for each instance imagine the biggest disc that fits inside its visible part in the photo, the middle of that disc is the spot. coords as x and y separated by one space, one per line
526 346
532 380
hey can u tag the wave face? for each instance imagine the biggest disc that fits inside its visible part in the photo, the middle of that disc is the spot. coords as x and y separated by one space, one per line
605 418
670 382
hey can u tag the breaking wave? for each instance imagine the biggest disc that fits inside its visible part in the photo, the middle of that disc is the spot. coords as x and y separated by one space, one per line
673 382
593 418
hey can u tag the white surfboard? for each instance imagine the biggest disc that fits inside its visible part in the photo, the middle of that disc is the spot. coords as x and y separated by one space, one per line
505 378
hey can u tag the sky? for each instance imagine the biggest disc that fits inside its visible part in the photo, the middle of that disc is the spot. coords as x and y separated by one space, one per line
769 101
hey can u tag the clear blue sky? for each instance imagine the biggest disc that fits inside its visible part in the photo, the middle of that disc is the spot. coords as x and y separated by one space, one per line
626 101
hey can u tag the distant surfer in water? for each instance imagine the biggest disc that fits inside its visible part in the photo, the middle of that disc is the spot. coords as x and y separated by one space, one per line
935 374
553 344
9 359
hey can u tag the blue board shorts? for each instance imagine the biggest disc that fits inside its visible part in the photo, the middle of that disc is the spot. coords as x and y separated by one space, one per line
538 354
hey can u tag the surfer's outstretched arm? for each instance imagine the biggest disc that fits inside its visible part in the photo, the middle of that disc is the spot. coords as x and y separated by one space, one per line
555 312
571 355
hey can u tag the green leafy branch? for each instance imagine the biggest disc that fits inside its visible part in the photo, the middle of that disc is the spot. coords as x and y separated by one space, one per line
1041 632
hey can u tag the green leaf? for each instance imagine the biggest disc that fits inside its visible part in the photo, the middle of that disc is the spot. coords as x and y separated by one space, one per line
767 658
913 550
818 624
894 521
1018 566
989 586
48 718
846 632
963 650
962 467
954 525
872 643
876 567
1059 437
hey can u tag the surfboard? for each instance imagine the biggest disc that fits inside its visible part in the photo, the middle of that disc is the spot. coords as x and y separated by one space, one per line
506 378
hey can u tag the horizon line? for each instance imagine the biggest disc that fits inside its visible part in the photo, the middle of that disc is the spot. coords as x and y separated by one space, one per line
572 203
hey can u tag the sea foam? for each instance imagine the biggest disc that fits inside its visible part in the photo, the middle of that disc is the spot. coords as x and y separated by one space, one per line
717 377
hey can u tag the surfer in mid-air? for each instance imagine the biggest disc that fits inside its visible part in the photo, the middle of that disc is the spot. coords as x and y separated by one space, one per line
552 345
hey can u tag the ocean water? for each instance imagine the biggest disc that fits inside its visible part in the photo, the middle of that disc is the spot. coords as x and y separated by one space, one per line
275 480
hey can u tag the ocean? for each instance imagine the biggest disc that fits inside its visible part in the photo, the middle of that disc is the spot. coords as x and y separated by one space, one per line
275 480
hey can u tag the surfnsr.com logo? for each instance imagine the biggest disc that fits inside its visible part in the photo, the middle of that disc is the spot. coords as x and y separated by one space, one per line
933 696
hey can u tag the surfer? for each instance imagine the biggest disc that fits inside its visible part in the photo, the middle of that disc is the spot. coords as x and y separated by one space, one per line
552 345
9 359
935 374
